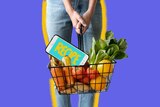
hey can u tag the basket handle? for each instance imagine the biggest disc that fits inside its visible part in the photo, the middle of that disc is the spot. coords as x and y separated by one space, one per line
80 40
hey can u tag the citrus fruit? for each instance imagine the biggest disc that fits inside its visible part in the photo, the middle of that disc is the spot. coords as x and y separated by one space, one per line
98 84
105 68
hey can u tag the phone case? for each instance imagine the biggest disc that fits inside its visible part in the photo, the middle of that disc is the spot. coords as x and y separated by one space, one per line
59 48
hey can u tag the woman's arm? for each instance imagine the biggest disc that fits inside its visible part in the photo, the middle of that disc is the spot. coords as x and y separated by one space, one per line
75 17
91 6
68 6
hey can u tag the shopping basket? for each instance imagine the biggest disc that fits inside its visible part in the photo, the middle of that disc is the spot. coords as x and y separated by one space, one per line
88 81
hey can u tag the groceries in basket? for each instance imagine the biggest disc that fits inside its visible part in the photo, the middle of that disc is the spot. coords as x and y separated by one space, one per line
72 79
59 48
94 75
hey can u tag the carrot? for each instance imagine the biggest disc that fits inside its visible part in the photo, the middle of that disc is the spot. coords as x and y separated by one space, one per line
58 77
57 73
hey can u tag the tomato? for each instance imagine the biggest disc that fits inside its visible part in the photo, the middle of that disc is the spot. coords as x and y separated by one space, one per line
92 73
78 72
85 80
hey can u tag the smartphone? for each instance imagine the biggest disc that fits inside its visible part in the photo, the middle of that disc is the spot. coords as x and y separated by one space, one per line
59 48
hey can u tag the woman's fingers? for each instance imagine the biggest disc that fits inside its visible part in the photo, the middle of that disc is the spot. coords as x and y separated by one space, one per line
74 23
80 19
78 27
78 31
84 29
77 22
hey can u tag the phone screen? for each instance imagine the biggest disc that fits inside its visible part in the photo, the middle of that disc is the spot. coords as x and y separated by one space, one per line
59 48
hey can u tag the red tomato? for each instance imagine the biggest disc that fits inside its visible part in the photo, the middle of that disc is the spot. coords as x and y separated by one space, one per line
92 73
78 72
85 80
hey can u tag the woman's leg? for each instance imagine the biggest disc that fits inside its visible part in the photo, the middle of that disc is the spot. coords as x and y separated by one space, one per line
95 27
94 30
58 22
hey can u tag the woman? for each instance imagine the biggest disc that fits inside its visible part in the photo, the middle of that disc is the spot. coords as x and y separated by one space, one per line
62 17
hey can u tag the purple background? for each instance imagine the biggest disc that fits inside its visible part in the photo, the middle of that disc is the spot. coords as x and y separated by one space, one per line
24 77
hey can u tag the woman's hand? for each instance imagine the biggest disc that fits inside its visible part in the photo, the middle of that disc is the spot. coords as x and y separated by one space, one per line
76 18
87 18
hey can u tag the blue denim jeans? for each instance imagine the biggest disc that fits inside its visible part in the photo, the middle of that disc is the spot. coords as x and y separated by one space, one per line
58 22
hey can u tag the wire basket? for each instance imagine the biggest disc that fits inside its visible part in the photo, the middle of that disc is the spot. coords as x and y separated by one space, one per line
89 78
